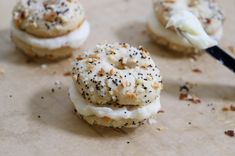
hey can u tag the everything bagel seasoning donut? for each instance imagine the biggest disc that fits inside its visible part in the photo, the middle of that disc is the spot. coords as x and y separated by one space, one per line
49 29
117 73
48 18
206 12
115 85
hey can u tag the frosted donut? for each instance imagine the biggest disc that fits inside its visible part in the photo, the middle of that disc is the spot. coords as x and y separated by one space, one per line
206 11
115 85
117 73
50 29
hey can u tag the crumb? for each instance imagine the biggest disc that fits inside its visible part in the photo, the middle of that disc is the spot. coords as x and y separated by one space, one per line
67 74
196 70
161 111
195 99
39 116
43 66
225 109
42 97
228 108
185 94
232 107
10 96
189 123
161 128
127 142
232 49
75 110
52 90
229 133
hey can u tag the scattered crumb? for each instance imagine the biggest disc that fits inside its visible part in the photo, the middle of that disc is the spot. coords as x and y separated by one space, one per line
185 94
44 66
228 108
67 74
39 116
189 123
75 110
196 70
229 133
161 128
232 107
42 97
232 49
127 142
225 109
161 111
10 96
52 90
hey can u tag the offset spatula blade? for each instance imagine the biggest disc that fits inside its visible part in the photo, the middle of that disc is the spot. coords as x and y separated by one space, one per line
223 57
217 53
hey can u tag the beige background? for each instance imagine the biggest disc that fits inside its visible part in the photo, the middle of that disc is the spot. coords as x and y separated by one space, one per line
60 132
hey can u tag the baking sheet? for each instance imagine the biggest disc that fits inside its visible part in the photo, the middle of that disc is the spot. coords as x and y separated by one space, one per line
36 121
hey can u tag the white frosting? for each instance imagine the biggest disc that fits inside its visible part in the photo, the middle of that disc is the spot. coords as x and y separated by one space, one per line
171 36
73 39
87 109
159 30
191 29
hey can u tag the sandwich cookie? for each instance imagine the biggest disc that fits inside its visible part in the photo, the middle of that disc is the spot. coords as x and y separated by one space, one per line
206 12
50 29
116 85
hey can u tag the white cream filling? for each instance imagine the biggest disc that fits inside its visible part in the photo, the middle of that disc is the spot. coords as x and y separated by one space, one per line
73 39
87 109
157 28
191 29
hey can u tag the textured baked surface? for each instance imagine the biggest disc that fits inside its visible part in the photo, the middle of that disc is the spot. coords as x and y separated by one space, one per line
117 73
48 18
107 122
37 52
116 85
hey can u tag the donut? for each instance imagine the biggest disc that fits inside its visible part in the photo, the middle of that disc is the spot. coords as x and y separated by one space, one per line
116 85
206 11
49 29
